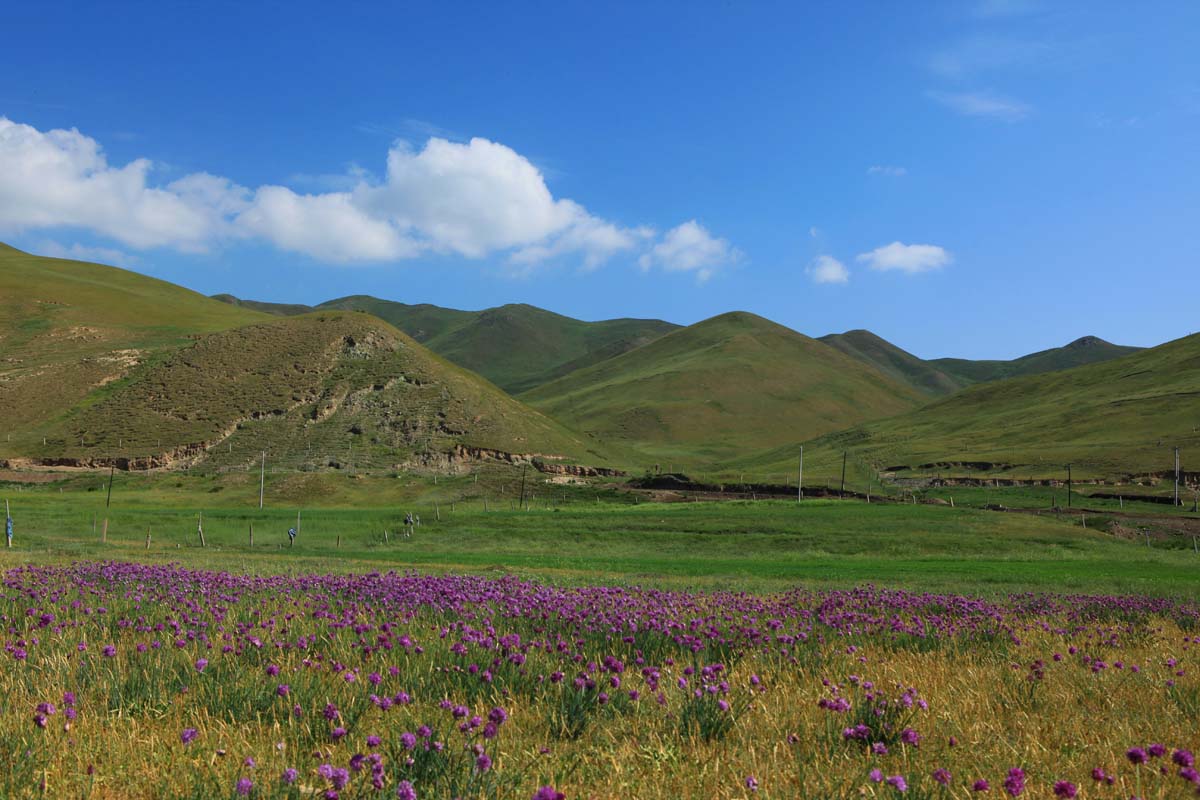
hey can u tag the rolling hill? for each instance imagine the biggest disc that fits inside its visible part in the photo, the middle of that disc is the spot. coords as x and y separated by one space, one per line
328 389
70 327
515 346
894 362
943 376
1110 420
1084 350
99 363
719 388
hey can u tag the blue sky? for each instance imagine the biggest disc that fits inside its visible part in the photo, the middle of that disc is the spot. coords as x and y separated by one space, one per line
973 179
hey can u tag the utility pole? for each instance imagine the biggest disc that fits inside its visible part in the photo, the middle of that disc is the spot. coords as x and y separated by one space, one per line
521 505
842 491
112 467
1176 476
1068 485
262 479
800 479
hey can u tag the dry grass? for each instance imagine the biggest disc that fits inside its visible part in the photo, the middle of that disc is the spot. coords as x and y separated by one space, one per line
981 691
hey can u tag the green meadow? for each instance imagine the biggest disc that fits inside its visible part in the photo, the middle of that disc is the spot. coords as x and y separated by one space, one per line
572 534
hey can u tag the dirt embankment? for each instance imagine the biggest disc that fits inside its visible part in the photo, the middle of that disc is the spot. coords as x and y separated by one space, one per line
1188 480
539 461
663 487
178 457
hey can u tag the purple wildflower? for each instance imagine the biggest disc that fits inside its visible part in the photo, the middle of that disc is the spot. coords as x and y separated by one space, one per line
1014 782
1065 789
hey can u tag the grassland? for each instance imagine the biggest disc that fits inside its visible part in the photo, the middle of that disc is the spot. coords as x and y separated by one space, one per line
125 681
575 533
726 386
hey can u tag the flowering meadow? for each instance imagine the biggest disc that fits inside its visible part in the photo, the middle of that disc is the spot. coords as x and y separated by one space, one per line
131 681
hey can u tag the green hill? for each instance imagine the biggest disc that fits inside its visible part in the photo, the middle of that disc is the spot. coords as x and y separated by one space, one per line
422 321
515 346
329 389
1111 420
69 327
894 362
1085 350
719 388
276 309
519 347
943 376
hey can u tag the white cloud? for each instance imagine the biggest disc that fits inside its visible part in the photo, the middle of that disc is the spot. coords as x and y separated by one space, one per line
827 269
983 104
908 258
328 227
79 252
691 248
61 179
472 199
887 171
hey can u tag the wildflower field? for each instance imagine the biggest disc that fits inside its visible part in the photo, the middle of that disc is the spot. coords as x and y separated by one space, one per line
131 680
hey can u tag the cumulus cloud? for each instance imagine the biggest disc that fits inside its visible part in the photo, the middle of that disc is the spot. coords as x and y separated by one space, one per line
908 258
887 171
691 248
827 269
983 104
328 227
62 178
471 199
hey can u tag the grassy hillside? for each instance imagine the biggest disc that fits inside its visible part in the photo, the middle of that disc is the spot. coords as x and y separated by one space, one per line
1085 350
943 376
894 362
69 327
720 388
277 309
515 346
330 389
518 347
1110 420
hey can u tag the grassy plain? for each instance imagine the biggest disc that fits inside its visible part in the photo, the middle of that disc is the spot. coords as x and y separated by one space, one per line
589 534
